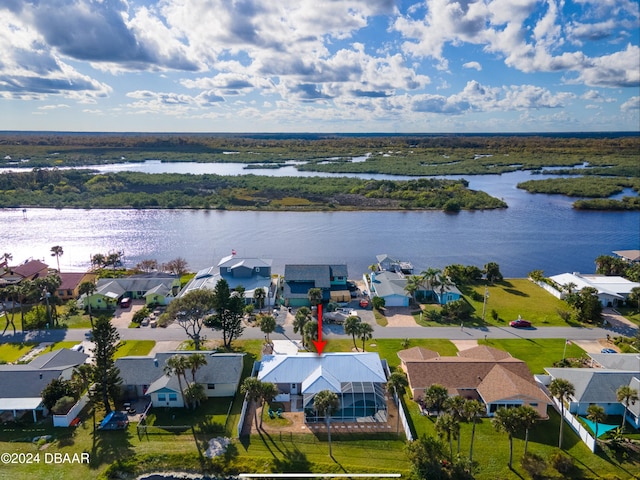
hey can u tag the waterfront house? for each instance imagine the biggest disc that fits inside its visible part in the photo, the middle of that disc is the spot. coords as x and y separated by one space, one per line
70 284
252 274
357 378
156 289
145 377
481 373
612 290
390 286
22 384
29 270
330 279
387 263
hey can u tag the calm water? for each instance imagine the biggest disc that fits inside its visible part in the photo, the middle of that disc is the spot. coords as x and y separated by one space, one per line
535 232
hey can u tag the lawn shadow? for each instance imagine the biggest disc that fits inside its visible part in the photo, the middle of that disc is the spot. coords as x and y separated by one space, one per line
292 461
516 292
110 446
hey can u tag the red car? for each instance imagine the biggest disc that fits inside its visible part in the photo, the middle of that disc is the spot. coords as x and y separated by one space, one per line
364 303
520 323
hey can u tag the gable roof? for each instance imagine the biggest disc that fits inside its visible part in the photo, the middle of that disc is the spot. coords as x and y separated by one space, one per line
594 385
232 261
30 268
500 384
58 359
485 353
614 286
617 361
320 275
313 371
416 353
220 368
115 287
387 283
631 255
69 281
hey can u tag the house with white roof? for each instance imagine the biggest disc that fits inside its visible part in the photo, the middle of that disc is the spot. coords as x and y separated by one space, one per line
249 273
146 377
22 384
357 378
612 290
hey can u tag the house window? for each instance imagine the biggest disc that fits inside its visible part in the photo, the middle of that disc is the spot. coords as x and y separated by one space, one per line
61 293
533 404
162 397
69 292
228 269
211 386
173 397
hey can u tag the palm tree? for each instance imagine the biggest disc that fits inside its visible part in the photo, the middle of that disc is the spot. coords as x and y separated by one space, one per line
596 414
443 282
507 420
310 332
435 397
259 296
414 282
315 296
351 326
447 426
267 325
397 383
11 291
473 409
268 391
98 260
252 388
561 388
455 407
194 362
57 252
325 403
365 332
88 289
430 275
177 365
528 417
626 395
6 258
301 318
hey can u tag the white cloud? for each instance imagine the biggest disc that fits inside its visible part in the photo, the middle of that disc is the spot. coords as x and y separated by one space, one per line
632 104
474 64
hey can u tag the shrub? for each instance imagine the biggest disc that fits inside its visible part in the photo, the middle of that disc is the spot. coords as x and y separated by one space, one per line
561 462
140 314
494 314
63 405
534 465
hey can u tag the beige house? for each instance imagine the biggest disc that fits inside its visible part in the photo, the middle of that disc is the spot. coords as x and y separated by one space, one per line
482 373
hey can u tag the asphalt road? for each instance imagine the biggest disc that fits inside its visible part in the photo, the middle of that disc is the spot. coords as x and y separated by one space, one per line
174 332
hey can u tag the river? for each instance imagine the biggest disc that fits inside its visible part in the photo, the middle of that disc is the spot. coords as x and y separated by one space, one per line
536 232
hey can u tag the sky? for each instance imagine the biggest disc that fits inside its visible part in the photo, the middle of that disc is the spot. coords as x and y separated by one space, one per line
459 66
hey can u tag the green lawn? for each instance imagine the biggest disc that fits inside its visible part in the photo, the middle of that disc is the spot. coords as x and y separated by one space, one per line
178 449
491 449
510 298
128 348
537 353
11 352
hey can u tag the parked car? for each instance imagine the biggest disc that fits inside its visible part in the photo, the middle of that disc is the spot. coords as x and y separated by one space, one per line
608 350
125 302
364 303
520 323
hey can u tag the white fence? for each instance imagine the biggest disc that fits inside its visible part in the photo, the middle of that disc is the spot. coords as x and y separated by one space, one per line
242 415
553 291
577 427
401 412
65 420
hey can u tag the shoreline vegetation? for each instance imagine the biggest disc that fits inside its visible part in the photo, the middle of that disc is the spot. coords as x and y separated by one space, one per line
85 189
606 163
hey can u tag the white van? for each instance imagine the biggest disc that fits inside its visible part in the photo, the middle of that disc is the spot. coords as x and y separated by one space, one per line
78 348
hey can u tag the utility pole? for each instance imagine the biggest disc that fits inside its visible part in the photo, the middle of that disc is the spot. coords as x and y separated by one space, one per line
484 305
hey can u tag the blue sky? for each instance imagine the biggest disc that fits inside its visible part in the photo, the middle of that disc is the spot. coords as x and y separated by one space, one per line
320 65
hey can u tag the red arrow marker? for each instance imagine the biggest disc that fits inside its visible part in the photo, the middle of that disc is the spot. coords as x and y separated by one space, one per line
319 343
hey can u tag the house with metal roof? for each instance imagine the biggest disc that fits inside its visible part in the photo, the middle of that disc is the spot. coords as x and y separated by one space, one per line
299 279
22 384
481 373
612 290
250 273
146 377
357 378
390 286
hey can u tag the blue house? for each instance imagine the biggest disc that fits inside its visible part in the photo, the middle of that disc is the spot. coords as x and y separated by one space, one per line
299 279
